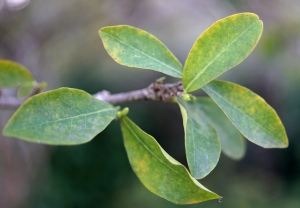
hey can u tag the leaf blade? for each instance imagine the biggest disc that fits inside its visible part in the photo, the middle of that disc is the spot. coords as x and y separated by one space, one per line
202 144
214 53
134 47
158 171
13 74
233 144
26 89
62 117
252 116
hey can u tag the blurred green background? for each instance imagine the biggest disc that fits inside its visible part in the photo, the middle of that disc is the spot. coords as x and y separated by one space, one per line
58 41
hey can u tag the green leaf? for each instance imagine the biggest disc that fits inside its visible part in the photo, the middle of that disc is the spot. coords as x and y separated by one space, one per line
42 85
29 88
62 117
158 171
134 47
255 119
222 46
232 142
13 74
202 144
26 89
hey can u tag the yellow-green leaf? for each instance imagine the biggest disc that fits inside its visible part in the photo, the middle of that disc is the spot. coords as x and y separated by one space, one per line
222 46
202 144
232 142
26 89
13 74
134 47
158 171
62 117
252 116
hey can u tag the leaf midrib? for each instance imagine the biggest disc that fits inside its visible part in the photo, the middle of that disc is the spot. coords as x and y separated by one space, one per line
63 119
209 63
172 69
186 138
193 121
240 111
145 146
223 131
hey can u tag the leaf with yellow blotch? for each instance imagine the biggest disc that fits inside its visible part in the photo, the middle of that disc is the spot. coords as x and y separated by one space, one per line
60 117
222 46
158 171
251 115
134 47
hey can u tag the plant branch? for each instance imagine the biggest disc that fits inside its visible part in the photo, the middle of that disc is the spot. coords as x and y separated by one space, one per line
157 91
10 102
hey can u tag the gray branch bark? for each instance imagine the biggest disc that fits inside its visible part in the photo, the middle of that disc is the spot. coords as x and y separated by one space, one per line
157 91
10 102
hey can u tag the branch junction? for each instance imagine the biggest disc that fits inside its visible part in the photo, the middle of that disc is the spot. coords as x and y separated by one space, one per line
156 91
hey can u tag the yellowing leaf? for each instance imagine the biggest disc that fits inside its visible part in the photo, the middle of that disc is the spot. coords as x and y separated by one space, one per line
62 117
26 89
255 119
222 46
134 47
158 171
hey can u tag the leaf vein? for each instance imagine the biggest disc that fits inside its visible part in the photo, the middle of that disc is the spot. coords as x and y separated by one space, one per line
216 57
149 150
246 115
64 119
147 55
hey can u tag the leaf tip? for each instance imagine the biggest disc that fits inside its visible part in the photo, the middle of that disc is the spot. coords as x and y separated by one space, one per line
285 143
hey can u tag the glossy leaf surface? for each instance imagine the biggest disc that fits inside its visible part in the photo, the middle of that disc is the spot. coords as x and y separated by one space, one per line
202 144
232 142
62 117
222 46
255 119
158 171
13 74
134 47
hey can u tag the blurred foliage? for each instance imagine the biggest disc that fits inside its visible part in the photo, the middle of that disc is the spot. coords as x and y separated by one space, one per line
85 175
58 41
